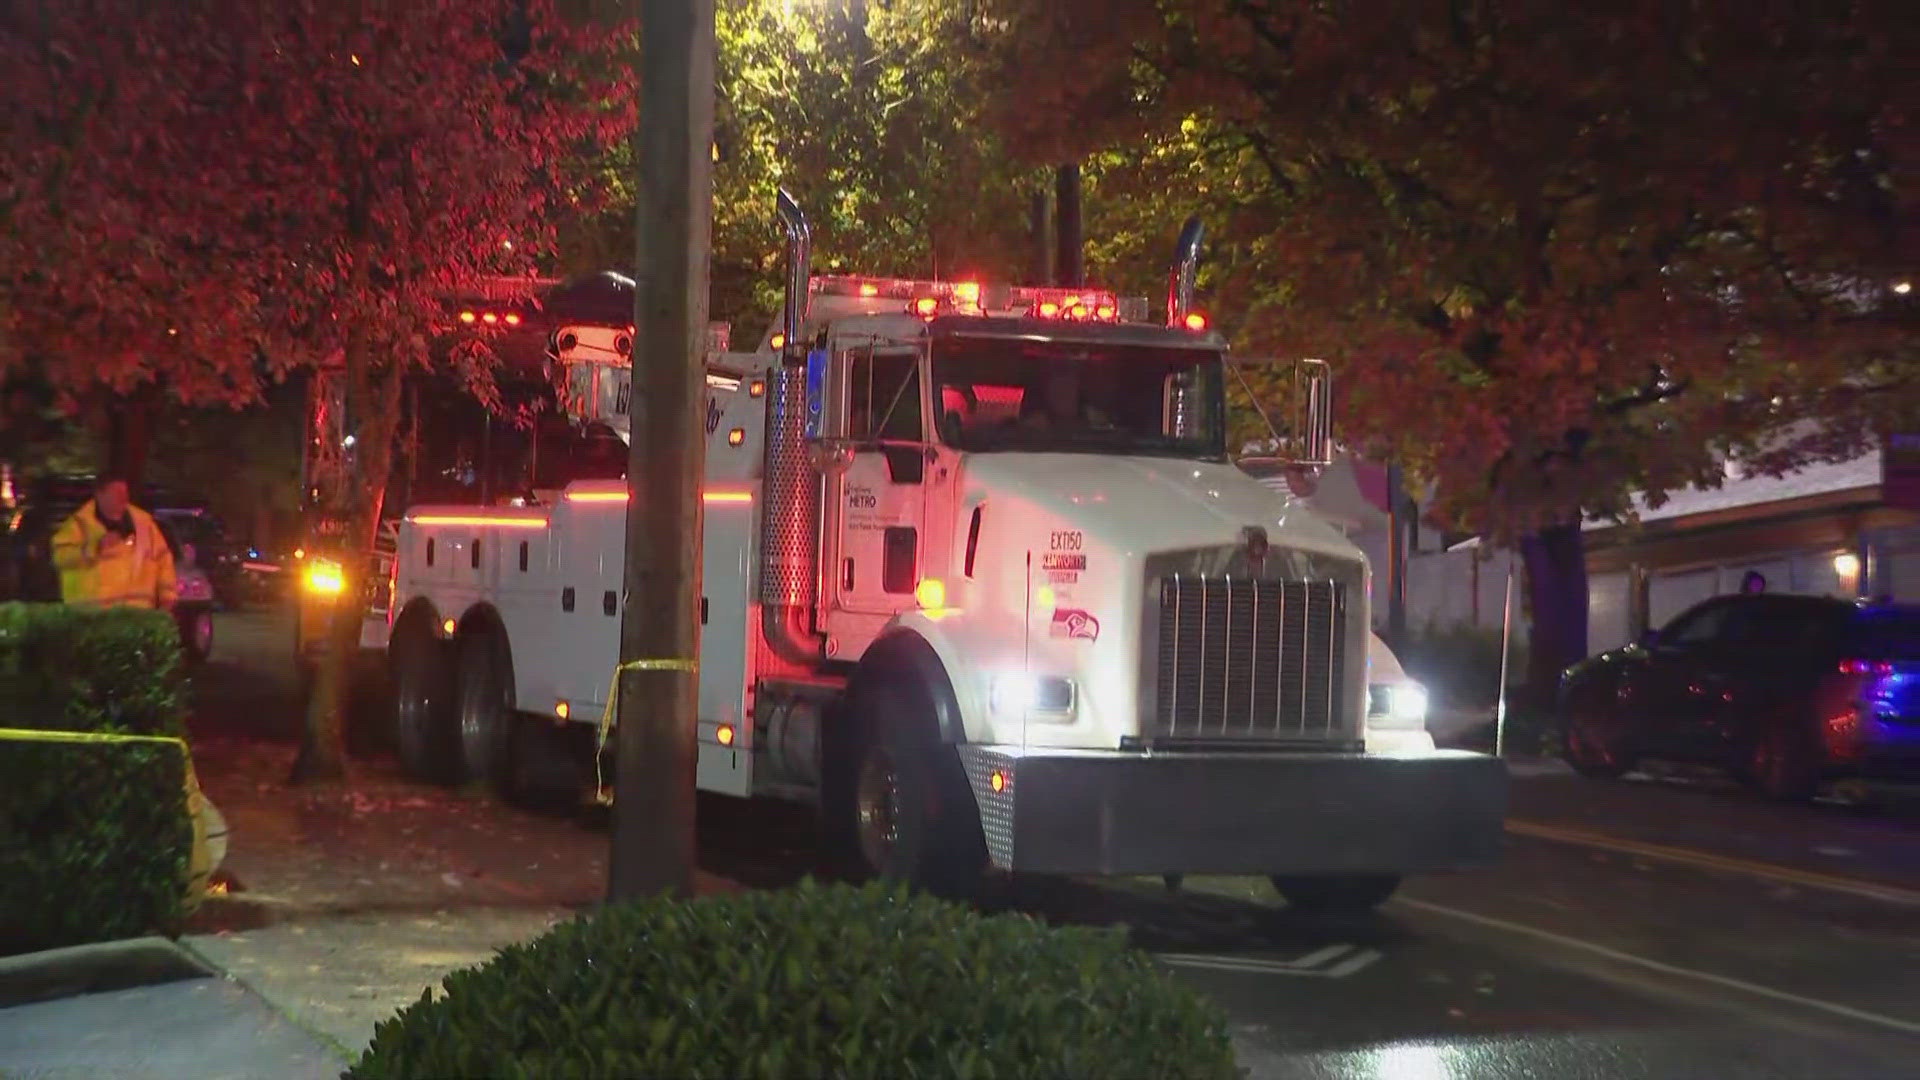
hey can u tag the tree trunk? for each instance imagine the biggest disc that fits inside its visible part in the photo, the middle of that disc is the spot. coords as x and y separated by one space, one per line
373 403
1556 563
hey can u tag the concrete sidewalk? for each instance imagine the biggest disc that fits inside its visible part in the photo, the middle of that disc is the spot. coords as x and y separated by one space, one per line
202 1027
342 975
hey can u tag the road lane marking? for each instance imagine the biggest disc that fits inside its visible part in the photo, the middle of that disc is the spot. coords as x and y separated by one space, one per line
1891 894
1834 1008
1314 965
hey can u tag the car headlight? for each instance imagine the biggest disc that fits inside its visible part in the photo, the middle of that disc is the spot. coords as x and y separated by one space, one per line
1402 704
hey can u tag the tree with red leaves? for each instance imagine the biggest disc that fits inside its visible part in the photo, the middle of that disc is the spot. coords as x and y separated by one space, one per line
199 194
1559 257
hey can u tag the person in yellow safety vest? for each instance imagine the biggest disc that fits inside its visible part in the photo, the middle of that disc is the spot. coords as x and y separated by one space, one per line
111 553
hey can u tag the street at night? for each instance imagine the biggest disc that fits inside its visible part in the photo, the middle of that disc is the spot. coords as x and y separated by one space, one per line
1060 539
1632 929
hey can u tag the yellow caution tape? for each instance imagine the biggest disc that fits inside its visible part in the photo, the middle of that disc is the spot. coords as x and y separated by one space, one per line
37 735
601 793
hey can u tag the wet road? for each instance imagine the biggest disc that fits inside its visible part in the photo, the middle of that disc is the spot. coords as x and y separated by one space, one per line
1590 956
1634 929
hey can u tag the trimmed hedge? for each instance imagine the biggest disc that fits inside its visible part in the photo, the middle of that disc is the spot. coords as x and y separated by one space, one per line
95 837
94 842
92 669
815 981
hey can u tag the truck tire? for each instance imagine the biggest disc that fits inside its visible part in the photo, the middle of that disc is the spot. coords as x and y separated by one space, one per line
423 701
899 805
1340 895
484 715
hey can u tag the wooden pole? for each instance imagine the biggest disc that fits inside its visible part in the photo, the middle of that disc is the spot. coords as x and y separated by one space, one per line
656 743
1506 637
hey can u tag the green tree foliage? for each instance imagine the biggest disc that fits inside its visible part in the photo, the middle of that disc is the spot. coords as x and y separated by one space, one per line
871 114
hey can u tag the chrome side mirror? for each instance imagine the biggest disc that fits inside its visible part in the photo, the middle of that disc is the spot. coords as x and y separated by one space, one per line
1310 436
830 455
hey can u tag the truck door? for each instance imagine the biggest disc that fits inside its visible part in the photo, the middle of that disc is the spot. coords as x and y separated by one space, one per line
879 497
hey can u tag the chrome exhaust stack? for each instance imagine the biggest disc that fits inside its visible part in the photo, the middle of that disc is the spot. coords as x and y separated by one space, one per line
790 517
1186 260
799 293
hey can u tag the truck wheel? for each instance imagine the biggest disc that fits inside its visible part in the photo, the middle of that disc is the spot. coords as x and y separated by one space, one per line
423 692
485 713
906 812
1350 895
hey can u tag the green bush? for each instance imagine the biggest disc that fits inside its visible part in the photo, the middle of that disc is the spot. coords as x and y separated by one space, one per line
94 836
815 981
94 841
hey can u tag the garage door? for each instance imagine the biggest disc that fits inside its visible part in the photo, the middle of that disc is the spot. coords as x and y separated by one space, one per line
1897 565
1670 594
1608 612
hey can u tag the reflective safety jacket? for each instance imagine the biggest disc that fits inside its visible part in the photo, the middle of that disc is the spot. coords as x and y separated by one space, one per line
137 572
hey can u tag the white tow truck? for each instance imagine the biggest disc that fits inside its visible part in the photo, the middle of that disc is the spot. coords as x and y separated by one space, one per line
981 583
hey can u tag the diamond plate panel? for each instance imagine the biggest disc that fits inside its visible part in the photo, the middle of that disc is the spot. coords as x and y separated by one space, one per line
996 807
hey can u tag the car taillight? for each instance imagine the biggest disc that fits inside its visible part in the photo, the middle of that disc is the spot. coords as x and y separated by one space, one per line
1865 667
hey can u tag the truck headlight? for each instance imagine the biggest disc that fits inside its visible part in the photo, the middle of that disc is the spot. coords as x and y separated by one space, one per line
1400 705
1016 693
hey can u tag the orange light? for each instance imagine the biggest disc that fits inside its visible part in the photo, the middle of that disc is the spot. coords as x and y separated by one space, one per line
513 318
724 733
467 316
736 436
299 553
1104 311
931 593
779 341
1196 321
726 497
562 710
597 496
967 291
325 579
998 781
868 288
489 318
448 626
925 306
1048 309
756 388
1079 311
480 520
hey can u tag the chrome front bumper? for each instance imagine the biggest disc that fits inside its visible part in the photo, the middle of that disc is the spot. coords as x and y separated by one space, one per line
1123 812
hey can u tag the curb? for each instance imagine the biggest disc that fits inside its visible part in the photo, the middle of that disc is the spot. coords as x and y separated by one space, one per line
96 968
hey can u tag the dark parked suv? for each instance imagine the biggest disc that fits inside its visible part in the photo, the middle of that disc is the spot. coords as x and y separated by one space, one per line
1787 691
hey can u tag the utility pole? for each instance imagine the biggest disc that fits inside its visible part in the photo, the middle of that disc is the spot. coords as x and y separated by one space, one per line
657 751
1396 559
1069 265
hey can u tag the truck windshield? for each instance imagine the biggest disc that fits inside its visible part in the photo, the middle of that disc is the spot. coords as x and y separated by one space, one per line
993 394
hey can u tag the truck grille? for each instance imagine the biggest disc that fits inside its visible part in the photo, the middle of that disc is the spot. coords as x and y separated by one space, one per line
1250 660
